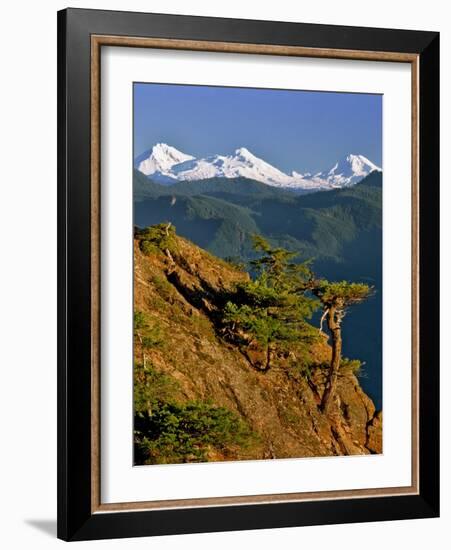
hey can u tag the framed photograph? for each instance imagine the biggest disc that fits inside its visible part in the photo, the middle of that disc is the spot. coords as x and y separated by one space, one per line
248 274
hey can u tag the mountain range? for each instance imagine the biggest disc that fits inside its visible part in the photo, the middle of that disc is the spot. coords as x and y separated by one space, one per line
166 165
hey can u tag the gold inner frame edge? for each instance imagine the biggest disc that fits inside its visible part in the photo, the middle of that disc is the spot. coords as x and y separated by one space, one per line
97 41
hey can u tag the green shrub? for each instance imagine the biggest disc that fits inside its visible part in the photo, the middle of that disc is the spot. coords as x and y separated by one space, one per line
163 286
150 388
150 335
352 366
139 320
158 238
301 368
186 432
347 366
153 338
148 248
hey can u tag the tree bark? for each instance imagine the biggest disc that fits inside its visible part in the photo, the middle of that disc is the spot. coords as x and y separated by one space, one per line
143 351
331 386
323 316
268 357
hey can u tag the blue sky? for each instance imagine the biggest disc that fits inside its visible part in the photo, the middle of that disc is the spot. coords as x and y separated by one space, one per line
291 129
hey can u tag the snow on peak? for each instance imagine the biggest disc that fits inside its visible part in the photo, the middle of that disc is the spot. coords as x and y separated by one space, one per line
349 170
244 153
242 163
160 159
357 165
167 165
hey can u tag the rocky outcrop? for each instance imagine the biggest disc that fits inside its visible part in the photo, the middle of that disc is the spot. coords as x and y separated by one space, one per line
181 292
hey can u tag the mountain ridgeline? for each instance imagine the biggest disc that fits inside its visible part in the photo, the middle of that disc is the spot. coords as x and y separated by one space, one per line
317 224
340 230
167 165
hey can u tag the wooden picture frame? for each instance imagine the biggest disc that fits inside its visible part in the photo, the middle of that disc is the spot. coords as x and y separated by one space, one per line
81 35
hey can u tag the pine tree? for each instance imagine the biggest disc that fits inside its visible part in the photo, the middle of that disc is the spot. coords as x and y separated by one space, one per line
336 298
268 310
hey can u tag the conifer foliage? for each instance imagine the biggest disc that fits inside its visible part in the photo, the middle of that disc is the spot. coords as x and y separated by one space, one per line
269 310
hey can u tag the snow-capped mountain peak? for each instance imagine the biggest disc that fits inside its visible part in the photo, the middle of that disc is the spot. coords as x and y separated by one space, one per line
167 165
353 165
245 154
242 163
349 170
161 158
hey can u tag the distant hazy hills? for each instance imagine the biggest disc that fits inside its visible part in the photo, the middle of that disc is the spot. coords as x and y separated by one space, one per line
167 165
221 215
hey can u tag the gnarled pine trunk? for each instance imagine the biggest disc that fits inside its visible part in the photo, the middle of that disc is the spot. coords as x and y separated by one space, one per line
335 329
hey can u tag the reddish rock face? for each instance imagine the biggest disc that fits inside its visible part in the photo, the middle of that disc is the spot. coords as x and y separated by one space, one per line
181 293
374 442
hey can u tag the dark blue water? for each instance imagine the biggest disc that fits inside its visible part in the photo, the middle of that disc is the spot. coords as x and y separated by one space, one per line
362 325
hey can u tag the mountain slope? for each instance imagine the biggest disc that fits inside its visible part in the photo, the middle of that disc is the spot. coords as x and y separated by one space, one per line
145 187
348 171
160 159
179 294
220 226
241 164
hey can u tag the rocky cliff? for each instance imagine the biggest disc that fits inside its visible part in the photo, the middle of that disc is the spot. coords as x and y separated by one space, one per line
179 291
